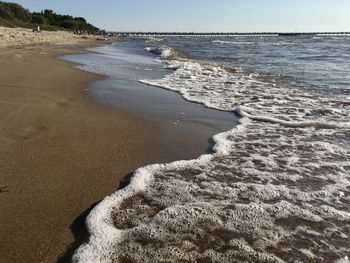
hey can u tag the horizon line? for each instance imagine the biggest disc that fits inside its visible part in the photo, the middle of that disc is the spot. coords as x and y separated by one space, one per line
231 33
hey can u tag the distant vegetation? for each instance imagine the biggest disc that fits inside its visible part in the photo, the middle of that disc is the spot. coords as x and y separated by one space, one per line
12 15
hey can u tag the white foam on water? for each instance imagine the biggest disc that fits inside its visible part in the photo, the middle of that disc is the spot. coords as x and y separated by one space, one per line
343 260
286 43
276 188
154 40
224 42
163 52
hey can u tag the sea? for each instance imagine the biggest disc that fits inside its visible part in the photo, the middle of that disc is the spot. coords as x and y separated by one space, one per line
276 185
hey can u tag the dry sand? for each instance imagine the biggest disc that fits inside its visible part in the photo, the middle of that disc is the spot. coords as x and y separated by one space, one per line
60 153
10 37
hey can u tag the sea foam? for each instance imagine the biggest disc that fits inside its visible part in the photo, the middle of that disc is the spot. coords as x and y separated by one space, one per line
163 52
276 188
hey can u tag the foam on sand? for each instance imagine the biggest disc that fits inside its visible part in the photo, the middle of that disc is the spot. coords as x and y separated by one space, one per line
276 188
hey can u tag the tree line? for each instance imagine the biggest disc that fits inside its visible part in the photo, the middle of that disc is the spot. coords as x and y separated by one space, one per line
12 14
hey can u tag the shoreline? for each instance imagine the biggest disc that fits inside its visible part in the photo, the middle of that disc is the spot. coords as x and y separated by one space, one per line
36 127
257 184
174 115
60 152
63 151
194 126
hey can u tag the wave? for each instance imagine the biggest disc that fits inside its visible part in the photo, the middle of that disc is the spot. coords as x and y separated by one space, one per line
222 42
239 93
99 222
321 57
154 40
289 43
163 52
276 183
294 124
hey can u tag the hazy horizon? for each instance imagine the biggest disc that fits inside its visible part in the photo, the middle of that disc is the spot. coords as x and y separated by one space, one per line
206 15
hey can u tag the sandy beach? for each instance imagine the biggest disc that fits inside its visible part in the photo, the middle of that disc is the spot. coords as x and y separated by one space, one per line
174 132
18 37
60 152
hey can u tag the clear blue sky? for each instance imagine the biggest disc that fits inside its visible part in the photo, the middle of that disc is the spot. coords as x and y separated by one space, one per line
205 15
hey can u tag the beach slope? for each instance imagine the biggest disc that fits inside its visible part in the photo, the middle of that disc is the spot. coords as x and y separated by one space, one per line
59 152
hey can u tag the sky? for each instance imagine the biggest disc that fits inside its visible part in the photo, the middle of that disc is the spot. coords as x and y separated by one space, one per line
205 15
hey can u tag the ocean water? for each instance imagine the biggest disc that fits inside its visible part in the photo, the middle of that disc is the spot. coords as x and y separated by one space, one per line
276 188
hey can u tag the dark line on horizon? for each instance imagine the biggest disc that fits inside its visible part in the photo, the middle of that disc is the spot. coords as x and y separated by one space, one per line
150 33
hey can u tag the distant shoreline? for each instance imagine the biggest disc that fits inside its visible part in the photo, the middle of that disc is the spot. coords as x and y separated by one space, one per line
228 34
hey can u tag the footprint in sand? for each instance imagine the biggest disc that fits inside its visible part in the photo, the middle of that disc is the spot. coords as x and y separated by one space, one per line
4 189
30 132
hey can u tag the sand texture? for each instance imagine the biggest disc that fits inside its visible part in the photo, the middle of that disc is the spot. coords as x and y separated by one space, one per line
59 152
10 37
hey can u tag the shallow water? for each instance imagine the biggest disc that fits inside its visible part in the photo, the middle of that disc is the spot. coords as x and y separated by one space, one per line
277 188
124 63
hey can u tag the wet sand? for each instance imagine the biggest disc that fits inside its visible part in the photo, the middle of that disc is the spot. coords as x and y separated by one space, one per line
61 152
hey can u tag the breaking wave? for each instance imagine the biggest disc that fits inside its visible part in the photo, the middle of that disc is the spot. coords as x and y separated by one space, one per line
154 40
163 52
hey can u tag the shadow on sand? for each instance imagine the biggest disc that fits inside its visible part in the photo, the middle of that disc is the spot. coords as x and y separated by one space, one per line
80 233
79 230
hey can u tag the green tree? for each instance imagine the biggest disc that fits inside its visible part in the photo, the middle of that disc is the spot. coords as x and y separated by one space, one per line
5 11
38 18
12 14
19 12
